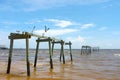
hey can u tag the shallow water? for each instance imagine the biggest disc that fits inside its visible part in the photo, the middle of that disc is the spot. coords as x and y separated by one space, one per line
102 65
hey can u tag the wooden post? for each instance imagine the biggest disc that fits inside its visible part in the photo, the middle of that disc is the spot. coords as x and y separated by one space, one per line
37 47
10 56
70 50
82 50
62 51
52 48
27 57
50 53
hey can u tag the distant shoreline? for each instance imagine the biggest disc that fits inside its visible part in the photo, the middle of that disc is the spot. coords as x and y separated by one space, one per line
3 48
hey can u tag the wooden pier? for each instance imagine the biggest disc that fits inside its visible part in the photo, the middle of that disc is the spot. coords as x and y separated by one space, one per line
86 50
95 49
27 36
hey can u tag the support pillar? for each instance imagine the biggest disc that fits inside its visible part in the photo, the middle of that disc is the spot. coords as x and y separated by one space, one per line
52 48
12 37
10 56
27 57
49 40
50 53
37 47
62 51
70 50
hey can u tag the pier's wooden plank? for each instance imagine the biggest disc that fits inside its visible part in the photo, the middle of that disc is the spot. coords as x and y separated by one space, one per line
18 36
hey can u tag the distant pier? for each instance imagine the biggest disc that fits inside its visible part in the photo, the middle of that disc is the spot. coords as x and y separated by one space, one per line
85 49
3 47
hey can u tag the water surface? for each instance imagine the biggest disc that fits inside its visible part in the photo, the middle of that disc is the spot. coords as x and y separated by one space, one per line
102 65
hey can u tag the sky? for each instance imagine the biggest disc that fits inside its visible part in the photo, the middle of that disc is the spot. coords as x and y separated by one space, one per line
83 22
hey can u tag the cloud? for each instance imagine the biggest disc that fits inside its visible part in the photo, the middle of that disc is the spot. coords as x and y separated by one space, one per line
55 32
78 39
33 5
61 23
55 22
103 28
86 26
67 23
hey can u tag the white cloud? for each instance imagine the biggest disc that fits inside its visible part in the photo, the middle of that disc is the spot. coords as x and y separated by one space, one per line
78 39
55 32
61 23
86 26
33 5
103 28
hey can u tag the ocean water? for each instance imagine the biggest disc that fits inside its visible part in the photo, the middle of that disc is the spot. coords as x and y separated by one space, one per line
102 65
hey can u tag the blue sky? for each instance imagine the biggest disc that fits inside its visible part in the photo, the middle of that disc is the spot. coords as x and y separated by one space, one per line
84 22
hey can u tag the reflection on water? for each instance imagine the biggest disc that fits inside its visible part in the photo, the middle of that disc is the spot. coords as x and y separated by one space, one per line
103 65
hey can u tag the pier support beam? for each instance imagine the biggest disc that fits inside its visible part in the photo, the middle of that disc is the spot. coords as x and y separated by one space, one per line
49 40
36 54
12 37
27 57
69 43
10 56
61 42
62 51
50 53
